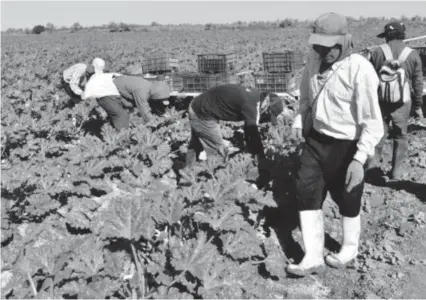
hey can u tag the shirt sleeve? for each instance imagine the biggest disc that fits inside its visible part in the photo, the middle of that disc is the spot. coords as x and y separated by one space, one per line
304 98
88 91
417 81
75 83
368 113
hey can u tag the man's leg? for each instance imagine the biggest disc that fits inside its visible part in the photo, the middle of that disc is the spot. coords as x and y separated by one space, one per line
400 118
117 114
310 195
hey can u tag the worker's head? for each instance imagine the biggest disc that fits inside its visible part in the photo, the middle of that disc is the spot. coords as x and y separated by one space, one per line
393 31
98 64
160 91
90 70
331 38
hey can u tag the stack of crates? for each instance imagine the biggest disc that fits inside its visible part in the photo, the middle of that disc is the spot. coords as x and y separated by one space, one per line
213 70
281 72
162 67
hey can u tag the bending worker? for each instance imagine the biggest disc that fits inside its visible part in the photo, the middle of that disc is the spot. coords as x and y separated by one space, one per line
75 77
138 90
340 119
229 102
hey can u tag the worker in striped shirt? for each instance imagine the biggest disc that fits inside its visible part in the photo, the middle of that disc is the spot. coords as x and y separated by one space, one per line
341 122
75 77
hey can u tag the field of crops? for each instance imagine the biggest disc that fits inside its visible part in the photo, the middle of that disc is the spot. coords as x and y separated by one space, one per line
89 213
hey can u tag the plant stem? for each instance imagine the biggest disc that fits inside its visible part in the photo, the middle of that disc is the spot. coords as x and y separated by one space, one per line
140 270
32 284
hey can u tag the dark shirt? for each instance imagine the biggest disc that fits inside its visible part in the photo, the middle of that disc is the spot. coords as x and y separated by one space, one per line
232 102
412 65
229 102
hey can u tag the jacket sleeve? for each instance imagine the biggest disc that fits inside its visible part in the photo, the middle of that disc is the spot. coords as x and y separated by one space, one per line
417 81
369 115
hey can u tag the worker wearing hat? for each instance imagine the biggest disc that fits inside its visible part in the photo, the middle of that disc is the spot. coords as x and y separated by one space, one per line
398 113
340 120
227 102
139 91
75 77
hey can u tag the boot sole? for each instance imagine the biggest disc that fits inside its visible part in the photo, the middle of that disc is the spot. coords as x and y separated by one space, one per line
335 263
302 273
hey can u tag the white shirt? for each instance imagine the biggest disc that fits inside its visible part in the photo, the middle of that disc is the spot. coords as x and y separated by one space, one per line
348 106
100 85
74 77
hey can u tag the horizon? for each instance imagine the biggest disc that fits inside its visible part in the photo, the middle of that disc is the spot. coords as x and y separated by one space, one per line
144 13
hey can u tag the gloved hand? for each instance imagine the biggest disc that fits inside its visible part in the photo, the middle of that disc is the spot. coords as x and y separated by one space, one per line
418 113
296 133
354 175
126 103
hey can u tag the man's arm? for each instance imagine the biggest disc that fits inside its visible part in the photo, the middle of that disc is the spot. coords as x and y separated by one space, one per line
369 115
75 83
417 84
304 98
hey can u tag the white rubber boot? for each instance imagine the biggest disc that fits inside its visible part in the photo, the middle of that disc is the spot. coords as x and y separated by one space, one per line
350 243
312 225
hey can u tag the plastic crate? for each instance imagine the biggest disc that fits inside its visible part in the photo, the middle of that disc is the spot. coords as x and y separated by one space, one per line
174 80
160 63
279 62
216 63
277 82
422 53
200 82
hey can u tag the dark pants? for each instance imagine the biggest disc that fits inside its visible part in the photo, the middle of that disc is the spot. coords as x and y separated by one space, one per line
323 166
398 114
116 113
205 134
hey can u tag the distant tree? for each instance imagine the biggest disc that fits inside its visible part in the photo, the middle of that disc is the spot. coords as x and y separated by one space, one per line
27 31
124 27
286 23
208 26
112 26
50 27
11 30
76 27
38 29
155 24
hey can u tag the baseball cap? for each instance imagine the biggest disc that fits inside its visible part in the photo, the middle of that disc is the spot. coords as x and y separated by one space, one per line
276 107
329 29
90 70
392 27
160 90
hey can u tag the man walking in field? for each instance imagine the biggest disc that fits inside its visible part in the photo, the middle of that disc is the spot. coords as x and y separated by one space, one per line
340 120
139 91
398 110
229 102
75 78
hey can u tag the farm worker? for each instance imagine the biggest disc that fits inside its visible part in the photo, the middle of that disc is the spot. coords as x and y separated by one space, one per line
75 78
139 90
228 102
101 87
398 112
340 120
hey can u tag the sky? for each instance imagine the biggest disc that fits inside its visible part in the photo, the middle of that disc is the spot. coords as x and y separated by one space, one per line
27 14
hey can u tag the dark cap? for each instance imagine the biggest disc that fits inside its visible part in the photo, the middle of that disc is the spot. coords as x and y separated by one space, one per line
329 29
276 107
90 70
391 28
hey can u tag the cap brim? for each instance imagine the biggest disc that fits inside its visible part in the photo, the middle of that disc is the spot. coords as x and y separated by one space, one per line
325 40
382 35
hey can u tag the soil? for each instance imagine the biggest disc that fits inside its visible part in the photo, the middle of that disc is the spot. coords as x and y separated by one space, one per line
392 257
